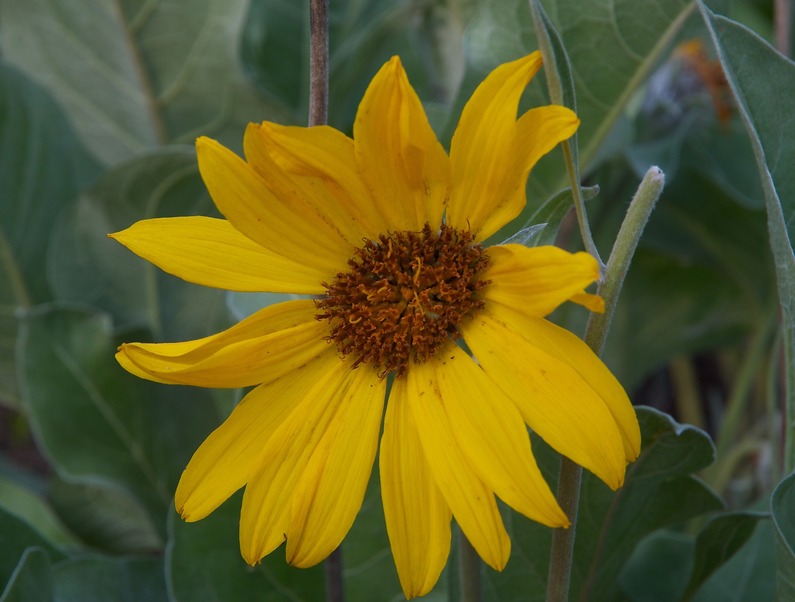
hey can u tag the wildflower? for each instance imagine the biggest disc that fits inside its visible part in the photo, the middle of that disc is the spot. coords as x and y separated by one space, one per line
386 231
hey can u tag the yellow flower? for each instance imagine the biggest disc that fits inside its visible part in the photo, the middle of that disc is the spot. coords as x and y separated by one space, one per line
385 230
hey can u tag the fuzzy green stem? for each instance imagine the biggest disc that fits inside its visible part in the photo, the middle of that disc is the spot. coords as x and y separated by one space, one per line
468 570
562 552
621 256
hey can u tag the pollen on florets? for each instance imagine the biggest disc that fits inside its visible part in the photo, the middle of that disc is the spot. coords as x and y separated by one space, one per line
404 296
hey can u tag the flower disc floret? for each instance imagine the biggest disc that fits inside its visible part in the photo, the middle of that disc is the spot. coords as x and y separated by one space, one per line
404 297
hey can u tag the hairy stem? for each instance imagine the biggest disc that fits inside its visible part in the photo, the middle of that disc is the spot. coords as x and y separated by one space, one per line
562 553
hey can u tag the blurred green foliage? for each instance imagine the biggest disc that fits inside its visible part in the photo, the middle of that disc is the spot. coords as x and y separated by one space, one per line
98 108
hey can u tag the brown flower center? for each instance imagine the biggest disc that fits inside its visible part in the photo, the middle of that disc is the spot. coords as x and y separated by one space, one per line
404 296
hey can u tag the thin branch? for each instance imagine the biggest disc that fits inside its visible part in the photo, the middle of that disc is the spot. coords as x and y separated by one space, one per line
783 24
334 582
318 115
318 62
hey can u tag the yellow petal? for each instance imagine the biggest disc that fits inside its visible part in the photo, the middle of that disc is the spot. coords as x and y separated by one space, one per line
553 398
492 152
417 515
225 461
569 348
331 489
324 159
490 430
537 132
211 252
471 501
535 281
267 500
269 212
307 194
273 341
398 154
591 302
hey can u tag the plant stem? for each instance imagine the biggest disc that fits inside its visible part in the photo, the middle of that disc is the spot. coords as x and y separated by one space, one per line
782 17
468 570
318 62
334 582
621 256
318 115
561 555
562 552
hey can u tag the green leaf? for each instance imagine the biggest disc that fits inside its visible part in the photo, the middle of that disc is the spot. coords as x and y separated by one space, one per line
722 537
87 267
725 156
551 215
105 517
748 576
30 504
782 503
17 537
133 75
43 168
674 566
762 82
659 567
30 581
103 579
660 491
94 422
274 50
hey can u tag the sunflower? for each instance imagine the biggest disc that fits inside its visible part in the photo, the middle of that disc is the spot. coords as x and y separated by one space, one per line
385 231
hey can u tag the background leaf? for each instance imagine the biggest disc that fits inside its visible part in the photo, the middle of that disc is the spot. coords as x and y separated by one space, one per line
133 75
42 169
659 568
95 422
782 503
19 536
105 517
758 76
749 576
103 579
718 542
86 267
31 580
